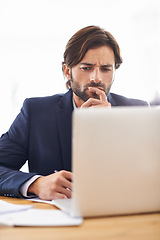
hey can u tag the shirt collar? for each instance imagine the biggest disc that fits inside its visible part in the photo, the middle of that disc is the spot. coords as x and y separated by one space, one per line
74 105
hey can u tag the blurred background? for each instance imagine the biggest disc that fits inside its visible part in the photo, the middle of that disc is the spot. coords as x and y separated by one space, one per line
33 35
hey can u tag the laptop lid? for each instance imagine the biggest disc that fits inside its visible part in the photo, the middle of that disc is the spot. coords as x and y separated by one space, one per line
116 161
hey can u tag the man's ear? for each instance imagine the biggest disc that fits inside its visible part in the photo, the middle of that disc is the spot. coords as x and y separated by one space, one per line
67 71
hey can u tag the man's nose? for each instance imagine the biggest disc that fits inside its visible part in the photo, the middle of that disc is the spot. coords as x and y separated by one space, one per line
96 76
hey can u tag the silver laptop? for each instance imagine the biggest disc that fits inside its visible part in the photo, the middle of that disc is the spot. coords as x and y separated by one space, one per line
116 162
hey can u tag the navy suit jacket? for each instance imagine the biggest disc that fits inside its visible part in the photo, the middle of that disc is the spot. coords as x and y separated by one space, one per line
41 134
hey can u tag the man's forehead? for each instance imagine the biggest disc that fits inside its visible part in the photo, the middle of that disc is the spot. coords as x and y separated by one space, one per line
101 56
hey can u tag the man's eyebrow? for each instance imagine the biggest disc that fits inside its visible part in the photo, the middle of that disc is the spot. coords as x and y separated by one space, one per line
107 65
88 64
91 64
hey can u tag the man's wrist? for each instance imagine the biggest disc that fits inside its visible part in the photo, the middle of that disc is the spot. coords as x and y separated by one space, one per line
24 189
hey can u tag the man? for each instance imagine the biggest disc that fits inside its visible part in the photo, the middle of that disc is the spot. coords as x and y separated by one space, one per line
41 133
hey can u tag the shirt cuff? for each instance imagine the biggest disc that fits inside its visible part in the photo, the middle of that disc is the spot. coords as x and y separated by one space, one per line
24 187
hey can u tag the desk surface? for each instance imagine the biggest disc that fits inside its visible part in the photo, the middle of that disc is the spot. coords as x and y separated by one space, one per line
133 227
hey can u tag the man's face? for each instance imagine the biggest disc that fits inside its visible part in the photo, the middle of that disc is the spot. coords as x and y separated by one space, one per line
96 69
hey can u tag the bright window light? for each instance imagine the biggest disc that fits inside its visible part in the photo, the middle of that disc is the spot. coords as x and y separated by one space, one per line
33 35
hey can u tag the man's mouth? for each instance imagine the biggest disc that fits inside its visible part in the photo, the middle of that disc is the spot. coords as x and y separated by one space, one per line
100 88
99 85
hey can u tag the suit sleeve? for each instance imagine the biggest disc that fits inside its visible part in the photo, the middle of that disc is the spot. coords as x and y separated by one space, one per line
14 153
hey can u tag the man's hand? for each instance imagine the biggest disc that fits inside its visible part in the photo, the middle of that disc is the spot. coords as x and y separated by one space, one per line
101 102
56 185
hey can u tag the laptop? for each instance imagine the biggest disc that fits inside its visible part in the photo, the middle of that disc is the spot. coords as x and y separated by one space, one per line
115 162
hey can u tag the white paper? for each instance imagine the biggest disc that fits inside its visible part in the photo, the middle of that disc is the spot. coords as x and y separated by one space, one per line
39 217
6 207
37 199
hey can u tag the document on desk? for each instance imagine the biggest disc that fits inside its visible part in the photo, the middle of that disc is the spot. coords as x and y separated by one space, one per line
37 199
39 217
6 207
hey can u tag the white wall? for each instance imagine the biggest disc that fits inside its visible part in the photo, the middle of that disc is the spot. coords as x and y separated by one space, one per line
33 35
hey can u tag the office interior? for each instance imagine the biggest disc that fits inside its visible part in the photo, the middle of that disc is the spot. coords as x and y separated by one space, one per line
33 35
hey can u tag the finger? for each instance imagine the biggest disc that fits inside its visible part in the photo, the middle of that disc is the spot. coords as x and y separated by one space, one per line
68 175
59 196
67 192
64 191
97 106
56 193
66 184
92 102
64 179
99 92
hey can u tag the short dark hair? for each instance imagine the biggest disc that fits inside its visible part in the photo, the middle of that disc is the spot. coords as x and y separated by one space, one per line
88 38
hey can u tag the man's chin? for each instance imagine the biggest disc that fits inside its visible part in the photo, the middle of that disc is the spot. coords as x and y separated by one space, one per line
85 96
94 95
88 94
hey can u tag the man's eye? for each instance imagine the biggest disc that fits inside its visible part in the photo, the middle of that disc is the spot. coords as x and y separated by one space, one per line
86 68
106 69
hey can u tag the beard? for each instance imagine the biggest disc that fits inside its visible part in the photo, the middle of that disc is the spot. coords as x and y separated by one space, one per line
82 94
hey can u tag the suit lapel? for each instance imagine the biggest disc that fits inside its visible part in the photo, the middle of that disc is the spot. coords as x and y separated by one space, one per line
64 116
111 100
64 120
